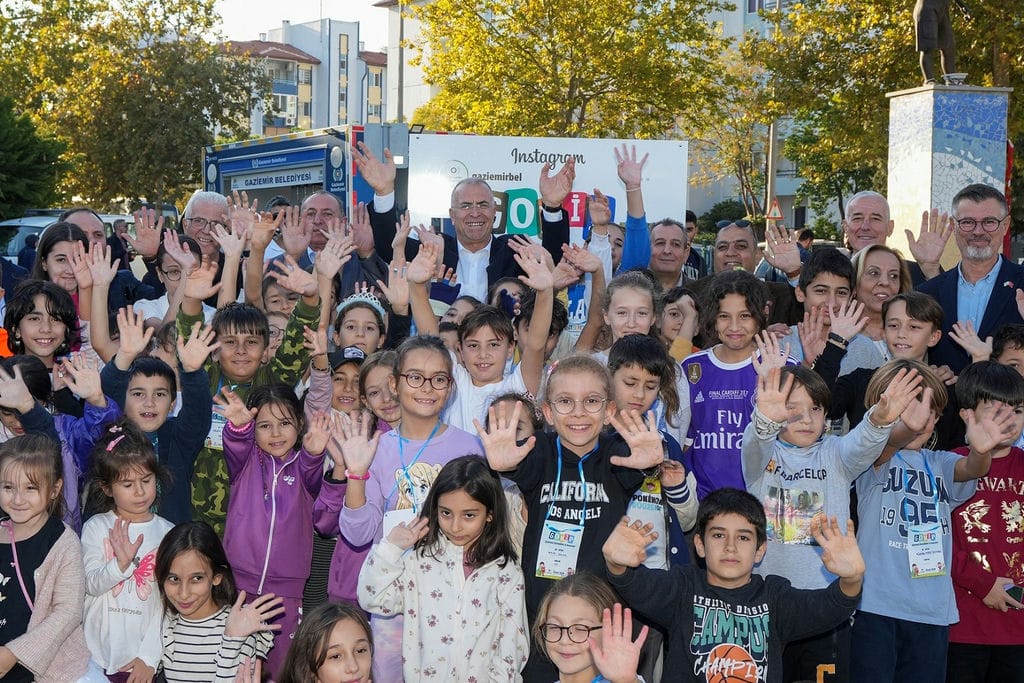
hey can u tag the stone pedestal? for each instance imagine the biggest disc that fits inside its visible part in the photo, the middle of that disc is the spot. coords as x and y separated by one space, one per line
942 138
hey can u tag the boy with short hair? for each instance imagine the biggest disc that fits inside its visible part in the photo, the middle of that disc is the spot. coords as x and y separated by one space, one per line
1008 346
559 321
988 534
724 621
146 390
486 339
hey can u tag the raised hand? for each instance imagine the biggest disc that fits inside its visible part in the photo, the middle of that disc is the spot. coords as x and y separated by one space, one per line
772 393
244 620
617 655
768 354
524 246
840 553
644 440
80 265
555 188
426 235
848 319
199 281
813 336
600 209
964 335
241 214
295 232
936 229
945 374
405 536
991 431
362 231
180 253
916 416
82 375
581 259
396 289
903 389
378 174
125 549
782 250
293 278
194 352
565 274
631 171
357 447
262 231
148 227
402 230
14 393
233 409
421 269
499 440
133 337
232 242
317 434
315 341
101 269
538 276
626 545
336 253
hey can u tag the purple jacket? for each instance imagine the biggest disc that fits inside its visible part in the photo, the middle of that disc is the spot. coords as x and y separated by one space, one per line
78 437
269 531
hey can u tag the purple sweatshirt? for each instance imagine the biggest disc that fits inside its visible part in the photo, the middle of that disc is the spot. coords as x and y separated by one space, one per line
269 531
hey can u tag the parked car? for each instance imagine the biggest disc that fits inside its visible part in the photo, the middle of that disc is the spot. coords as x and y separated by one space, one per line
14 231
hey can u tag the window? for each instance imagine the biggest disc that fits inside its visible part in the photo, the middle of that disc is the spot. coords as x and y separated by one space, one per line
374 113
376 78
307 109
305 75
343 54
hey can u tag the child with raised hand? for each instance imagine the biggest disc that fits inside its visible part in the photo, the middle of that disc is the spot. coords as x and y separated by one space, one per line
577 481
905 504
208 633
274 481
799 474
460 590
41 630
724 618
388 476
146 389
486 338
985 643
720 381
119 543
584 631
333 643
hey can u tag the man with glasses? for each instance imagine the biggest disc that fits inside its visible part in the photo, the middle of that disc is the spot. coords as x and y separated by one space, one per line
478 256
985 287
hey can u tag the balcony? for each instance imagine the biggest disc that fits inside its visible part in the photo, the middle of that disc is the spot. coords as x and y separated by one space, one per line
280 87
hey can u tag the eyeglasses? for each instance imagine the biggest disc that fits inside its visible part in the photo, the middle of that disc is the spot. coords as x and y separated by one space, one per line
578 633
416 380
173 275
466 206
741 223
591 404
202 223
275 332
990 224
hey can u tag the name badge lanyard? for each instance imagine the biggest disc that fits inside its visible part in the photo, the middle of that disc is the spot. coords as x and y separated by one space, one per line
583 480
405 468
906 483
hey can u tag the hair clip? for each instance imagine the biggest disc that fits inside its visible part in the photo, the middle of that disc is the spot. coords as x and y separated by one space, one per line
113 443
114 429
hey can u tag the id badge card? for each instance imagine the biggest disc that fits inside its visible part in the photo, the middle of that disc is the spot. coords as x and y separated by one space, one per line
215 439
924 551
559 550
395 517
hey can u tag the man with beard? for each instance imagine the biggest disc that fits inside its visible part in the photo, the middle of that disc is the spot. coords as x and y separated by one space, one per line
985 288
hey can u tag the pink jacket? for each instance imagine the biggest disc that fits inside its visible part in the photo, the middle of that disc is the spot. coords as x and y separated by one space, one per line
53 648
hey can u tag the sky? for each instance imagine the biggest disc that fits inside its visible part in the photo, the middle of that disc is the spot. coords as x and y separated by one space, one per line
246 19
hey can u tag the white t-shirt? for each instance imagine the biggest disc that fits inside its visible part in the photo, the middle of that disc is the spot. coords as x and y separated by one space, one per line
157 308
472 401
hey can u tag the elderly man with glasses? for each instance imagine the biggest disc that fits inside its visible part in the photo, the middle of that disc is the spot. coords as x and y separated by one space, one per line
985 289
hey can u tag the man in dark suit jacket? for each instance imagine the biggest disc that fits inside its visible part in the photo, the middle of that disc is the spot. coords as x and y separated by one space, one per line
983 288
472 211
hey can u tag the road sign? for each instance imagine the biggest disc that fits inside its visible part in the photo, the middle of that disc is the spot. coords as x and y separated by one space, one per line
775 211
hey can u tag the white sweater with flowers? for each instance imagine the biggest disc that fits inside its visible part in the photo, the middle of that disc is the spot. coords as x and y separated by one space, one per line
456 628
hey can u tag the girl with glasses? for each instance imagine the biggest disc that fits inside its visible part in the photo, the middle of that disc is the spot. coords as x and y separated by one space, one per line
577 481
384 479
454 573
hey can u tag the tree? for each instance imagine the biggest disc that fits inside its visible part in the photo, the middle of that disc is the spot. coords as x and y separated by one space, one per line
133 87
565 67
30 165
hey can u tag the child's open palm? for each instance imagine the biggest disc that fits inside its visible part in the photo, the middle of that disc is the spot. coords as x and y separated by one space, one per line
904 388
293 278
769 353
405 536
617 656
234 409
317 434
626 545
199 281
848 319
101 268
125 549
646 449
201 343
503 452
14 393
772 393
538 276
244 620
133 337
82 375
840 553
421 269
987 433
357 447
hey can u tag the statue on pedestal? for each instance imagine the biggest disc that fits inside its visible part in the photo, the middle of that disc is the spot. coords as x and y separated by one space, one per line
933 30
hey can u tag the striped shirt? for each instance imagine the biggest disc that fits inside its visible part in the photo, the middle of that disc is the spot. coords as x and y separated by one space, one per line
199 652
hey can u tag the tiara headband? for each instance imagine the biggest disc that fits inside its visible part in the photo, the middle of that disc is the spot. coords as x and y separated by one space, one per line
364 298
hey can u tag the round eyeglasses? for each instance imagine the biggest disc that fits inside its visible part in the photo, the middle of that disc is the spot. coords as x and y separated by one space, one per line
578 633
990 224
416 380
591 404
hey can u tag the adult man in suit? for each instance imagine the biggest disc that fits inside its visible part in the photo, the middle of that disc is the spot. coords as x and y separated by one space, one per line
478 257
985 287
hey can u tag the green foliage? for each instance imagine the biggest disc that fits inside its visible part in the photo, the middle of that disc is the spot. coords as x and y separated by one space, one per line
30 165
133 88
630 68
726 210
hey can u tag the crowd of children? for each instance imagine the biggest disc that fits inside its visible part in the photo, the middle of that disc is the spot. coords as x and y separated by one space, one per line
291 486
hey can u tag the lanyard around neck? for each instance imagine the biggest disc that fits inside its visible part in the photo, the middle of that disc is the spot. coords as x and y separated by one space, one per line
405 468
583 480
